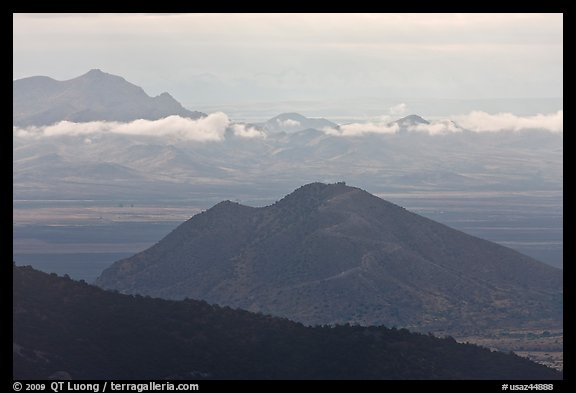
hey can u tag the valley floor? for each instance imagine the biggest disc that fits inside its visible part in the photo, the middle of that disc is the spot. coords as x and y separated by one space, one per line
542 346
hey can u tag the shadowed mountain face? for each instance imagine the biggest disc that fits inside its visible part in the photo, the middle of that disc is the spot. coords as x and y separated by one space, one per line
332 253
64 328
96 95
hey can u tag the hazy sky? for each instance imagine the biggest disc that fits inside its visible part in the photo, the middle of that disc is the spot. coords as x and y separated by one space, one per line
235 58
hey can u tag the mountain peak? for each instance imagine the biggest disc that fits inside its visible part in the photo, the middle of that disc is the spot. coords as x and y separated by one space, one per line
290 115
101 80
227 204
315 192
330 253
295 122
411 120
95 72
316 187
319 188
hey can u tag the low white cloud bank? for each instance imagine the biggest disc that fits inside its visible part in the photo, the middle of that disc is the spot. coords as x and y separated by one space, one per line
441 127
213 127
358 129
399 109
244 131
288 123
484 122
476 121
209 128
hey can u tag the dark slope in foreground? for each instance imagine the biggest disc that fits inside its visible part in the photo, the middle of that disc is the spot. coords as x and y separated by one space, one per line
64 325
336 254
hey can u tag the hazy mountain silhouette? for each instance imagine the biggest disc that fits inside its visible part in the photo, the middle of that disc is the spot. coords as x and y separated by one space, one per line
68 329
295 122
333 254
410 121
96 95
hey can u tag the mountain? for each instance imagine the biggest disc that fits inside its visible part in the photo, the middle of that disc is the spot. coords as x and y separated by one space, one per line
294 122
96 95
66 329
410 121
330 253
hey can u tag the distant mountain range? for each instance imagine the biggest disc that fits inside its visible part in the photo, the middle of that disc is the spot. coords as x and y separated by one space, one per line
291 148
330 253
96 95
281 153
63 329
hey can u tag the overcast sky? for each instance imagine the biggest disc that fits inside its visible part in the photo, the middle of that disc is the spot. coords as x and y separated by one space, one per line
235 58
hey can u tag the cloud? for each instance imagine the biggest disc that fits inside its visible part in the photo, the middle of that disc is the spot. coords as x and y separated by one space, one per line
399 109
209 128
288 123
358 129
441 127
478 121
213 127
244 131
475 121
484 122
